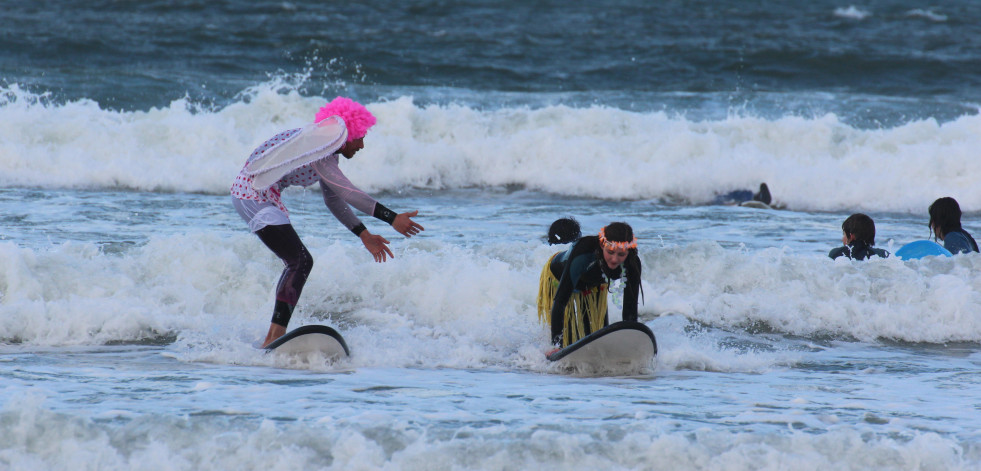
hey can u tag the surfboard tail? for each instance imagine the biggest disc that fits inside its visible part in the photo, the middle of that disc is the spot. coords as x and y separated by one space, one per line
311 339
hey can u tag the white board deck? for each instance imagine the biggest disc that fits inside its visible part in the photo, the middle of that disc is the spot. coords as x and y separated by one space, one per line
620 346
755 204
311 339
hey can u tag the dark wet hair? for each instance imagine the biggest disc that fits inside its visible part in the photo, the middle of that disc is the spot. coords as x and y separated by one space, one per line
763 195
619 232
860 226
564 231
945 214
622 232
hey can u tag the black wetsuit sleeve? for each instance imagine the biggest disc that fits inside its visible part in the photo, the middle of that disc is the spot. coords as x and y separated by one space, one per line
632 290
562 295
838 252
566 286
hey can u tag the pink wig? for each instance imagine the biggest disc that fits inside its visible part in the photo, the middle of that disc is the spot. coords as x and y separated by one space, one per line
356 117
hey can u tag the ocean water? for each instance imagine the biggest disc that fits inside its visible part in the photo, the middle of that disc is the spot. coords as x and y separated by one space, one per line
131 292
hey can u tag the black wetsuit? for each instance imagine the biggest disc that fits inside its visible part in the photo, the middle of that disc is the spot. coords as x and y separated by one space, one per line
959 241
286 244
580 269
857 250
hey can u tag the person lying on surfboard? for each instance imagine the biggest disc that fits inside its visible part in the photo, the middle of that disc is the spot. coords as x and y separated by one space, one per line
302 157
573 287
945 222
858 235
742 196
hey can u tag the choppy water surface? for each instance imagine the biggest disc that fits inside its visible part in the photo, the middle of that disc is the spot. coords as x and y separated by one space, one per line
142 349
131 293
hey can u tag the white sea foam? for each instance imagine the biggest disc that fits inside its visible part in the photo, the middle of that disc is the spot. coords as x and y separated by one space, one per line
920 301
442 305
810 163
927 14
852 12
38 439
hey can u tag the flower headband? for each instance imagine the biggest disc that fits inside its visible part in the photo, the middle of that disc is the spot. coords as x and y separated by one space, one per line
611 245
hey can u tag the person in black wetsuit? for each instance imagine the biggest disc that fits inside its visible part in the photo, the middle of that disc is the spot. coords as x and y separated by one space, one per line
741 196
945 222
858 235
572 293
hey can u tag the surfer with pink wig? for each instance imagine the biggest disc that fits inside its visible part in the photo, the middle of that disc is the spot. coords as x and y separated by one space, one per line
357 118
302 157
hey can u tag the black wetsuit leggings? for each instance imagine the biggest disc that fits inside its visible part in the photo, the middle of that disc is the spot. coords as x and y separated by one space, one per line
286 244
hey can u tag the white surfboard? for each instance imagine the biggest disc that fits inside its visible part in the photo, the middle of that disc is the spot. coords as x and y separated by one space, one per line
311 339
755 204
621 346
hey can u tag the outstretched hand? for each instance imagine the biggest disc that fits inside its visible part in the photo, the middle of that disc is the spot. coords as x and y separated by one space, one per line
377 245
406 226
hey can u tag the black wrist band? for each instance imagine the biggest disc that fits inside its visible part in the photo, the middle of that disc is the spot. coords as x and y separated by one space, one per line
357 230
383 213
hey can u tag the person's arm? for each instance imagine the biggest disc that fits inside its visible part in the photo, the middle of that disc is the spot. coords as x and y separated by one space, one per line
562 295
403 224
333 181
631 291
340 209
377 245
331 177
838 252
572 270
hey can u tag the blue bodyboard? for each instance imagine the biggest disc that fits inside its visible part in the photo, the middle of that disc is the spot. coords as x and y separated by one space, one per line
921 248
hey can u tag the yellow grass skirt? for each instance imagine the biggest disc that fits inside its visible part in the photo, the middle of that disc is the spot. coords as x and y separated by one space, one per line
589 304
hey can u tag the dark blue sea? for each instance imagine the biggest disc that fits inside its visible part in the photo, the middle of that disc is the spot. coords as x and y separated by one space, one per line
131 292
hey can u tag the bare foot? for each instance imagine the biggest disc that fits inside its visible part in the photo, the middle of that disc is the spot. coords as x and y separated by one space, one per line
275 331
